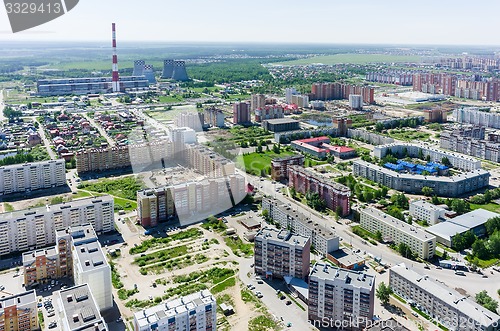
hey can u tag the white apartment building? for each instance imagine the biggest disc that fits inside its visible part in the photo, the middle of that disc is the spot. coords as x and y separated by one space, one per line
289 93
322 238
426 211
279 253
90 265
340 297
36 228
79 310
196 311
420 242
450 308
34 176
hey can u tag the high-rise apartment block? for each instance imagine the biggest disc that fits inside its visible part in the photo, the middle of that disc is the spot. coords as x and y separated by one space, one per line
79 310
196 311
35 228
323 239
241 113
207 162
356 101
472 115
480 148
331 91
118 157
340 297
77 254
289 93
394 230
214 117
334 194
206 197
279 167
257 101
279 253
390 77
450 308
301 101
193 120
19 312
34 176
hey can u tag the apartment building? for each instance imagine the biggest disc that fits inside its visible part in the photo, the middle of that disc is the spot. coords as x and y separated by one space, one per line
191 199
257 101
334 194
302 101
279 253
193 120
413 183
33 176
450 308
393 230
413 150
323 239
473 115
344 298
36 228
241 113
390 77
41 266
196 311
214 117
118 157
426 211
331 91
269 112
480 148
279 167
19 312
208 162
79 310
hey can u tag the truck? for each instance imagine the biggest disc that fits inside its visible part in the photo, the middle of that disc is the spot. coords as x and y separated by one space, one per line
230 231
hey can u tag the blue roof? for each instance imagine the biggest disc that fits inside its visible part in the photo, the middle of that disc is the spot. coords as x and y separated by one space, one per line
406 164
393 166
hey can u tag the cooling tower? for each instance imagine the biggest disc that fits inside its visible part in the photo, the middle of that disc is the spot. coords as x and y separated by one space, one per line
168 69
149 73
139 68
180 73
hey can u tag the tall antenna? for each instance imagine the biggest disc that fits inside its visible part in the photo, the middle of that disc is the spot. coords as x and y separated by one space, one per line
115 81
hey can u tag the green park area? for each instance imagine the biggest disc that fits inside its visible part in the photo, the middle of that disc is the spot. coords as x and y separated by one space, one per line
355 59
259 163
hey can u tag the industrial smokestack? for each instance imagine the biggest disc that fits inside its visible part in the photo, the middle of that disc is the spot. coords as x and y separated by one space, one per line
149 73
115 81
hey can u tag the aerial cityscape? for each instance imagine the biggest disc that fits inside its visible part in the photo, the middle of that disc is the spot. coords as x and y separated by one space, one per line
306 177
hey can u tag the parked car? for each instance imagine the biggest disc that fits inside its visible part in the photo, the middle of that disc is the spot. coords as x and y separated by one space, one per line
52 325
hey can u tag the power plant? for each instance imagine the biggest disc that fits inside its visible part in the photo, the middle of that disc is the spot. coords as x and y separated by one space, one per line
149 73
139 68
168 69
175 70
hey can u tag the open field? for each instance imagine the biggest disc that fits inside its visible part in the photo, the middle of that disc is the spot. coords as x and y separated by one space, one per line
169 115
354 59
258 161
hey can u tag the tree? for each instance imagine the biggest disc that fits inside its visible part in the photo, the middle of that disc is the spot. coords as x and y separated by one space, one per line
492 225
459 206
244 144
405 251
378 236
435 200
480 250
420 154
462 241
368 196
276 149
400 200
293 192
494 244
314 201
259 147
486 301
379 127
383 293
427 191
445 161
265 214
339 211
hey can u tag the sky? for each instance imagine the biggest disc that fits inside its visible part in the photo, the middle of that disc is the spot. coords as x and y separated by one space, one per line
440 22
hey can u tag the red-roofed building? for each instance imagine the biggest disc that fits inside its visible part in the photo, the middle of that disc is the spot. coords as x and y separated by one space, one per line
320 148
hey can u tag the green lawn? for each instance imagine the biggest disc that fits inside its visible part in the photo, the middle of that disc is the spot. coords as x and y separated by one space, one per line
125 204
255 162
354 59
408 134
171 98
490 206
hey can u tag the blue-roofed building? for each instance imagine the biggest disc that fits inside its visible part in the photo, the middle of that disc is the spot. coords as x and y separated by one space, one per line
420 168
442 169
395 167
408 165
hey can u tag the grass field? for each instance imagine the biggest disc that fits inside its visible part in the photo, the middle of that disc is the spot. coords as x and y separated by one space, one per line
255 162
490 206
354 59
169 115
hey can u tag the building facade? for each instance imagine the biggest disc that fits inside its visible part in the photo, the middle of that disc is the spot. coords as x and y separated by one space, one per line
19 312
36 228
193 120
206 197
450 308
334 194
269 112
279 253
341 297
426 211
323 239
241 113
279 167
410 183
196 311
257 101
34 176
92 85
332 91
393 230
480 148
280 125
214 117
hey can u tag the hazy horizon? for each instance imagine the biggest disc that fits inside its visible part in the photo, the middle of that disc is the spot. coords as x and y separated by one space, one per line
364 22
